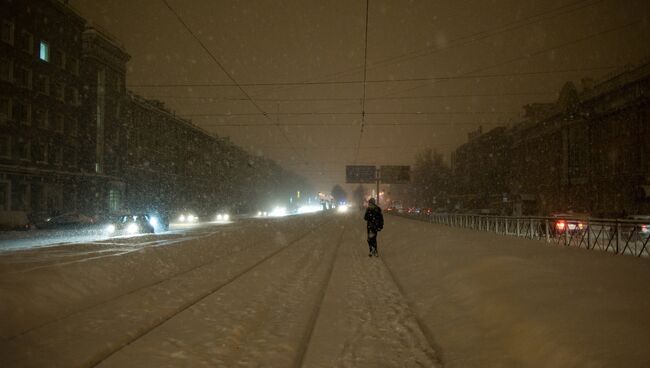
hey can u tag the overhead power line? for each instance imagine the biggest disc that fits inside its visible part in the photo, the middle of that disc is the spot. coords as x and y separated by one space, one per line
214 58
528 56
423 113
211 99
368 125
379 81
472 38
365 74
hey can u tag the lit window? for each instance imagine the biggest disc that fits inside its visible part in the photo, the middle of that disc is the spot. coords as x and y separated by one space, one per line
45 52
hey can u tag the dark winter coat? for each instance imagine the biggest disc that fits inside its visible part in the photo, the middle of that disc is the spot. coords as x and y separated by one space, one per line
374 218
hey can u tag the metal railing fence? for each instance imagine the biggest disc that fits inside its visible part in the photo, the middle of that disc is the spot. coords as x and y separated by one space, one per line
617 236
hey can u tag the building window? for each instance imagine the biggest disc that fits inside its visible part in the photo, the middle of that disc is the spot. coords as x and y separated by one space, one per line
118 84
24 150
57 158
5 146
73 65
59 91
20 197
59 59
5 109
73 127
44 52
22 112
23 77
114 200
40 152
58 123
8 32
70 156
73 96
4 195
43 84
7 70
27 42
42 119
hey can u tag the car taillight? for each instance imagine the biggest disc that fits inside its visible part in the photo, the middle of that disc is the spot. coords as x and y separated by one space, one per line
644 228
560 225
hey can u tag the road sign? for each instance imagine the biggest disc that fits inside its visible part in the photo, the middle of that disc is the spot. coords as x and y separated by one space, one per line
395 174
360 174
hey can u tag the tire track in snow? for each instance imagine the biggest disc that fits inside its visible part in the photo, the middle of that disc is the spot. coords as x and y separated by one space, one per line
138 289
105 357
302 350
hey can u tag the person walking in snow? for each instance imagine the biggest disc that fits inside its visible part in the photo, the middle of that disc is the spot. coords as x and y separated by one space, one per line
375 222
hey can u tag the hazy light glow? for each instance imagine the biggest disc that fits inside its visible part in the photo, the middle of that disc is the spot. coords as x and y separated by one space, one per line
132 228
278 212
309 209
110 229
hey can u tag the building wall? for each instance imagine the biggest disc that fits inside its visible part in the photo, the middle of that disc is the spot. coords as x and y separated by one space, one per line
589 156
481 168
40 84
586 153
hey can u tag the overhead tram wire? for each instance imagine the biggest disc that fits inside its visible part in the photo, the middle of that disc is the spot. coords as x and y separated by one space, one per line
462 76
313 99
214 58
486 33
470 74
365 74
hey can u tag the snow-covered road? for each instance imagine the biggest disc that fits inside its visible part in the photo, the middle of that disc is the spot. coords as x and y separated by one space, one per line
302 292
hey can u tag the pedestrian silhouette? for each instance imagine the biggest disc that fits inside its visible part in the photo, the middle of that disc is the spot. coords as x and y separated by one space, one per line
374 224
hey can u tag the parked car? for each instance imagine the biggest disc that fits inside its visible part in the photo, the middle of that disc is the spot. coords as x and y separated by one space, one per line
71 220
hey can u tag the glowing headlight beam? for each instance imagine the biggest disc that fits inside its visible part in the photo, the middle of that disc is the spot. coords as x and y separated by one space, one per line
132 228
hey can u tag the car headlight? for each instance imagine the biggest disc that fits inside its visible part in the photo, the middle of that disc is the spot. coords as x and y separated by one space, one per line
132 228
110 229
219 217
226 217
153 221
181 218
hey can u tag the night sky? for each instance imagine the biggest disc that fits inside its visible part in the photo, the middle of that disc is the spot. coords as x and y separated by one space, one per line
435 70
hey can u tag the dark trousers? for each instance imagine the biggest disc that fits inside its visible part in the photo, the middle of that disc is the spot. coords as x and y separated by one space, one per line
372 241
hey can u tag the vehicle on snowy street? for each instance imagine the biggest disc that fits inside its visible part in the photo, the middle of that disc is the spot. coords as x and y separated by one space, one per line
187 217
132 224
570 223
638 230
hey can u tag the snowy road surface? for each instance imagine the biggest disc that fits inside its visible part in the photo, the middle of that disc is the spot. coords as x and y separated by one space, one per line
301 291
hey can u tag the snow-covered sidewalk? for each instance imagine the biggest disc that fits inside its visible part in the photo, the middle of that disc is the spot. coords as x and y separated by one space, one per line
500 301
